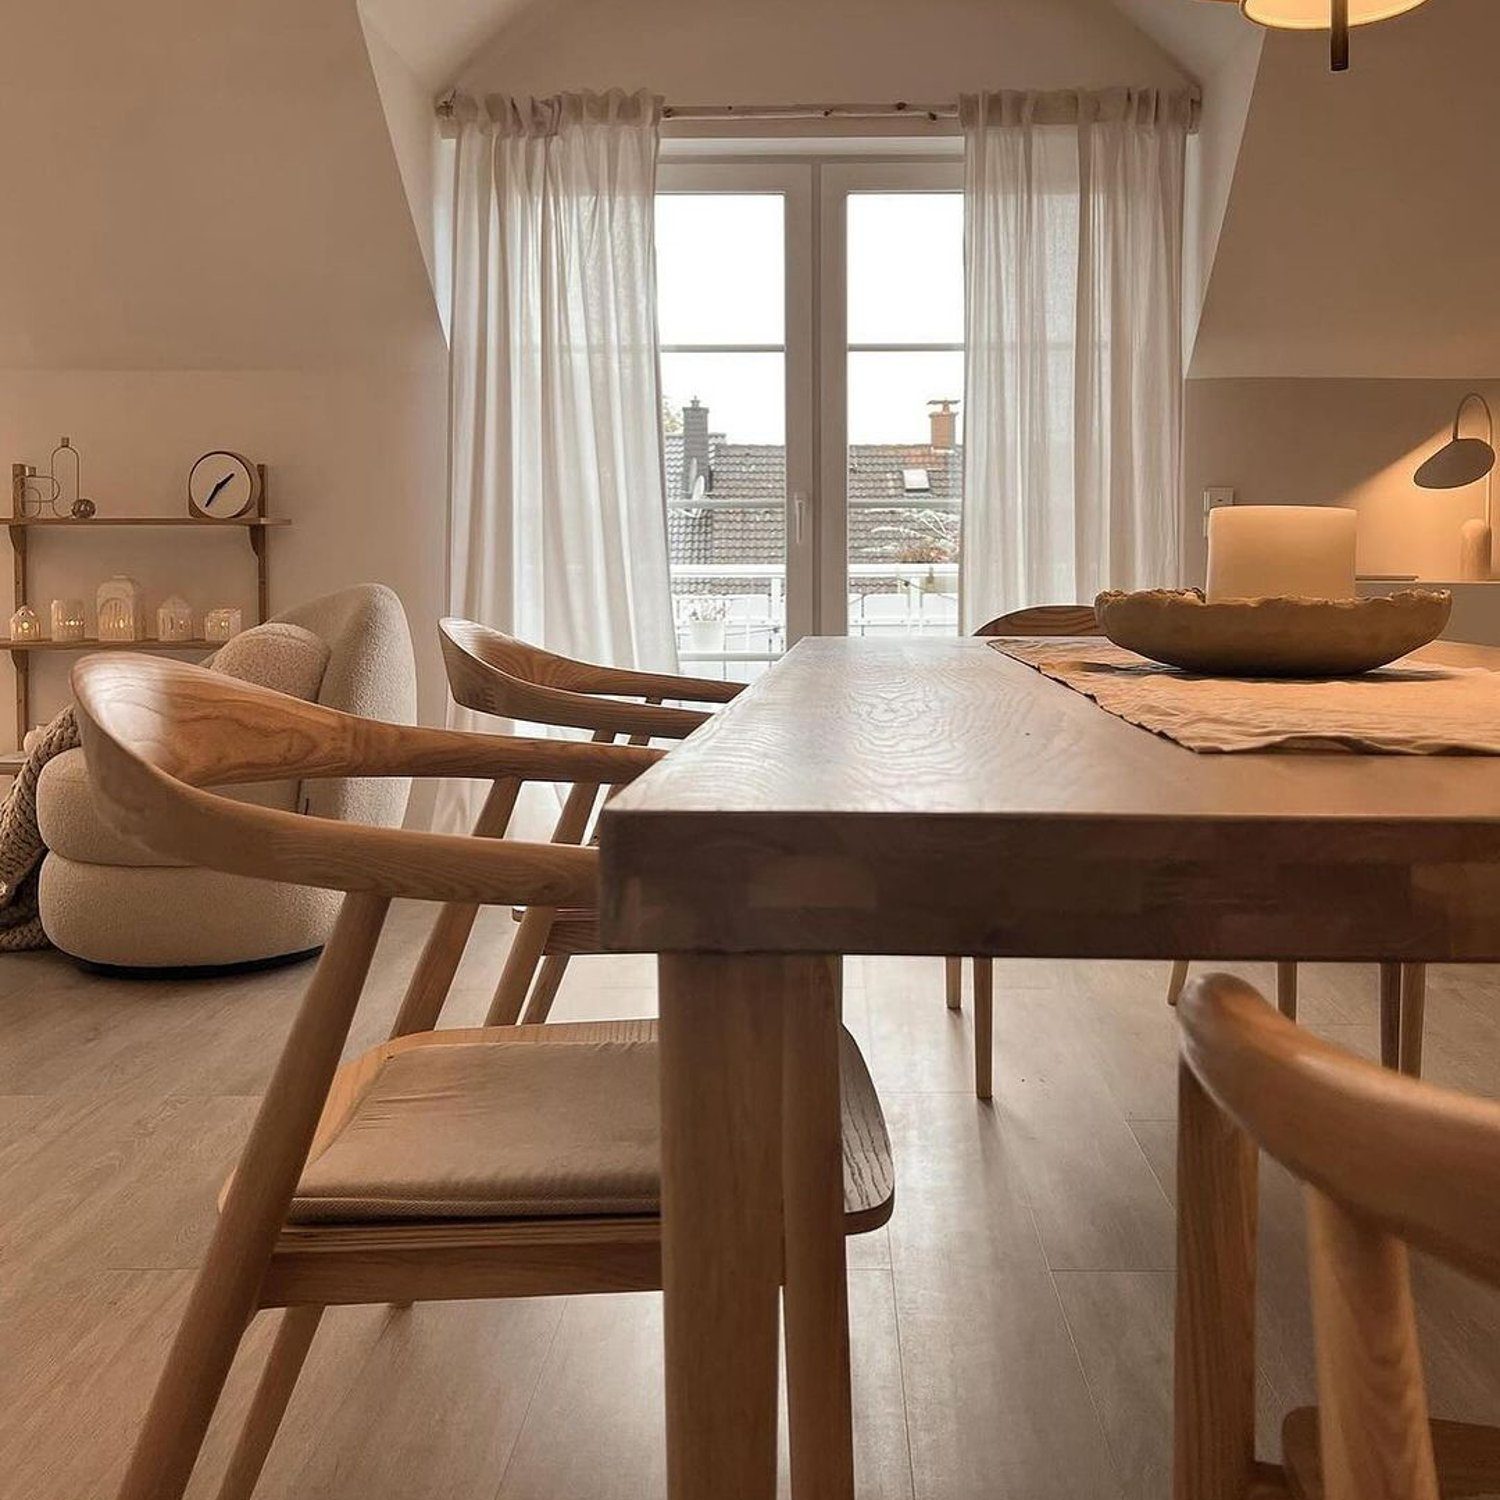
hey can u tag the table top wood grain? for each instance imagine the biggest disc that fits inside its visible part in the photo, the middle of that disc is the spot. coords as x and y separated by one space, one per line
871 796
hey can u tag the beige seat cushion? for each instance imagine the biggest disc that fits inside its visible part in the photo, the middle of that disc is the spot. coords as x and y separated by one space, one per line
558 1121
495 1131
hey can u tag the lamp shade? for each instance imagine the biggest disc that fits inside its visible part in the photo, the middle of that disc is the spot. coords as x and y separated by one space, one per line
1317 15
1461 460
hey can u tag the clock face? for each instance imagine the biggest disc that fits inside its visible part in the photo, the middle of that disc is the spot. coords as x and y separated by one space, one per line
222 486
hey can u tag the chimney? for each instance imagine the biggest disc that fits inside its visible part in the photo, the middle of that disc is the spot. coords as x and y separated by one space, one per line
695 454
944 419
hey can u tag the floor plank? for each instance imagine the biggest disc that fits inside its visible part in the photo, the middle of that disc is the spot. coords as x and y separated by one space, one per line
1010 1330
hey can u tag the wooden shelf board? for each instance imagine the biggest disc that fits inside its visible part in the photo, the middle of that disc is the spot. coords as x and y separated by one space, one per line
21 647
94 522
11 762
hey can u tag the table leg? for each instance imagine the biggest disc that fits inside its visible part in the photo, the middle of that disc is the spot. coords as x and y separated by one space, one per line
819 1416
1214 1383
721 1071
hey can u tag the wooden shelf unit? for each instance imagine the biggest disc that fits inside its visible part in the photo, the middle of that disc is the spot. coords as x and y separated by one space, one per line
256 530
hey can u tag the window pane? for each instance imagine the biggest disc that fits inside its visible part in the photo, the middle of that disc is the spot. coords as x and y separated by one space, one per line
891 394
723 418
906 268
720 268
905 492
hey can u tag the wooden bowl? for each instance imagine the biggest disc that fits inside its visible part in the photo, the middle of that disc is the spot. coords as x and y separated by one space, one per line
1273 637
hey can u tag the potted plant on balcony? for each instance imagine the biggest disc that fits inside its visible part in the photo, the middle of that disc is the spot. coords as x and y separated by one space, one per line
704 616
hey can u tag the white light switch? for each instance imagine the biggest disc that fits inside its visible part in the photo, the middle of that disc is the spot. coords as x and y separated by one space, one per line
1213 498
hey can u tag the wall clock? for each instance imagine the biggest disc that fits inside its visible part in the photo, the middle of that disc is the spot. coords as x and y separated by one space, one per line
222 486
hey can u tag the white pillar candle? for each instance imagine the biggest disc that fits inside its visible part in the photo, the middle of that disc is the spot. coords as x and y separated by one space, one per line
1281 551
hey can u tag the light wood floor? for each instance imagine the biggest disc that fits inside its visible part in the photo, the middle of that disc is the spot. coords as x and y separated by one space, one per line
1011 1327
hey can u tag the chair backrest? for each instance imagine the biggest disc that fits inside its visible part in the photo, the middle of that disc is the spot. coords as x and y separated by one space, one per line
157 733
1389 1161
495 673
1045 619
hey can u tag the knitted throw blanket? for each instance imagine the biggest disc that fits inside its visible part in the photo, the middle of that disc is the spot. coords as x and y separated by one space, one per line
21 847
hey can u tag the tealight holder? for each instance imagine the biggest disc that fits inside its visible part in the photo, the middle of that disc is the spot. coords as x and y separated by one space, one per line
174 620
69 622
119 607
25 625
222 624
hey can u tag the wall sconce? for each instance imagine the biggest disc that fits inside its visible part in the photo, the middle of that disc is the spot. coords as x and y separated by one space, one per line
1334 16
1460 462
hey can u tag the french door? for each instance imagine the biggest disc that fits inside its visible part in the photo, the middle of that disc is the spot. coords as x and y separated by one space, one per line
811 327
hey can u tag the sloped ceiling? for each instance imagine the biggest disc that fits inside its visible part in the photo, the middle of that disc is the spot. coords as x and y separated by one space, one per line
1198 34
234 178
786 51
1360 236
436 37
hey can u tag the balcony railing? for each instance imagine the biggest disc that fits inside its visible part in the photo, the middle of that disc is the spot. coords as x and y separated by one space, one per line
741 624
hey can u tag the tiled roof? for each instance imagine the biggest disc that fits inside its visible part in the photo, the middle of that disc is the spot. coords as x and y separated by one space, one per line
755 473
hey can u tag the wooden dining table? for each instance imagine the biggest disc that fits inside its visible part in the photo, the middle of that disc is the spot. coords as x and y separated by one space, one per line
937 797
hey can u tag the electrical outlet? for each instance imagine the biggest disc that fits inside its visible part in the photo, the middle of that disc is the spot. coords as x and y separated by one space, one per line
1213 498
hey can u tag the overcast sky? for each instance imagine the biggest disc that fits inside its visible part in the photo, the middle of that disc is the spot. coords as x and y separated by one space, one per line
720 274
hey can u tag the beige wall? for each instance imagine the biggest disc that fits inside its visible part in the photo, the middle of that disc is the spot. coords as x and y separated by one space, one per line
1360 235
788 51
351 459
216 251
1333 442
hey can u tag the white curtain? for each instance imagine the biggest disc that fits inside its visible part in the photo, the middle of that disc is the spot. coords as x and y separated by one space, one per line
558 511
1073 410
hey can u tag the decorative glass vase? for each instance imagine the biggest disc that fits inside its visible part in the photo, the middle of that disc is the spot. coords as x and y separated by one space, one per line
25 625
174 619
69 622
119 606
222 624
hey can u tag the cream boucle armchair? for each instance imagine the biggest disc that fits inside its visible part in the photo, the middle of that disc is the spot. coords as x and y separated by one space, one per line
113 904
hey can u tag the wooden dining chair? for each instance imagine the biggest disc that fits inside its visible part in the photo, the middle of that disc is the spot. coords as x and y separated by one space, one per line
1045 620
516 1161
1387 1162
1403 987
494 673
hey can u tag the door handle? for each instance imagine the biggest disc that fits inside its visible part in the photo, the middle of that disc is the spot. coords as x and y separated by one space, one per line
799 516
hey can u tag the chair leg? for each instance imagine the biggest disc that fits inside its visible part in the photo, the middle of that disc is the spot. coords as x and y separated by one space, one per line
432 978
521 962
1413 1016
225 1292
954 971
1286 990
544 991
984 1027
277 1382
1390 1015
1178 982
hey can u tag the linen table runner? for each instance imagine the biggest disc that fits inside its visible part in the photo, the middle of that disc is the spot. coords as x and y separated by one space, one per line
1412 708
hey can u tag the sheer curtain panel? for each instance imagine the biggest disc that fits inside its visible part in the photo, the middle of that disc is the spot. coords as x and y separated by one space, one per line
1073 243
558 512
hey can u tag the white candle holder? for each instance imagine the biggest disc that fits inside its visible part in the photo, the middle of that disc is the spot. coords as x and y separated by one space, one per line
119 609
69 621
223 624
25 626
174 619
